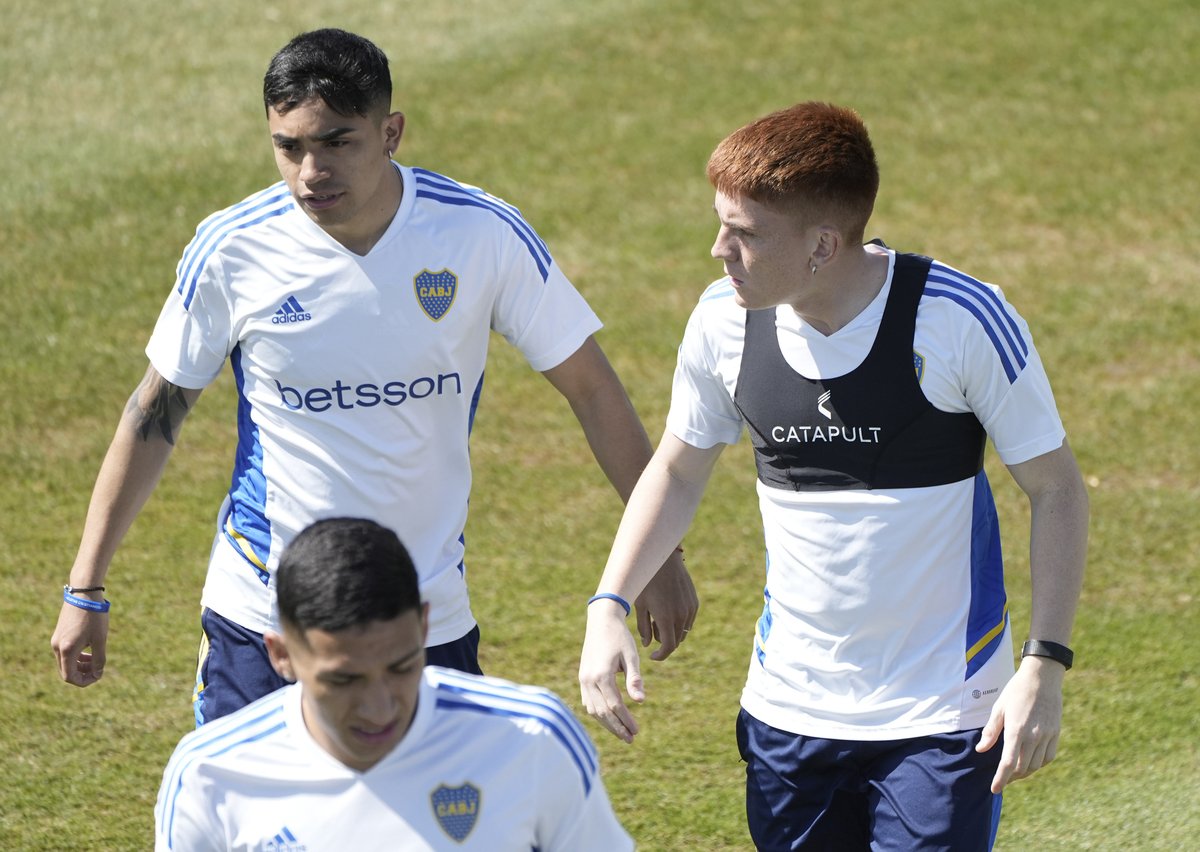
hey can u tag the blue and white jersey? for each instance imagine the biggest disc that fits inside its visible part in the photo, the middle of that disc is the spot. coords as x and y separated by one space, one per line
357 376
485 765
884 611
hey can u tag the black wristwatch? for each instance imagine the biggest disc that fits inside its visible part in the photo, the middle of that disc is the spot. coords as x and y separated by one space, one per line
1053 650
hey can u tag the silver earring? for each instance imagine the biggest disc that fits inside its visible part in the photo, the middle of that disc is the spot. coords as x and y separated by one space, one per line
814 269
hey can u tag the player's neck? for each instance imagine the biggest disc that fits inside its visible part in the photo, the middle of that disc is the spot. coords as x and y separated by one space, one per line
841 291
362 236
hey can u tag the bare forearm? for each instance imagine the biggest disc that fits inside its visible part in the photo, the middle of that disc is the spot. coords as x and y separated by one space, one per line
657 516
131 469
616 437
1057 555
612 428
1058 540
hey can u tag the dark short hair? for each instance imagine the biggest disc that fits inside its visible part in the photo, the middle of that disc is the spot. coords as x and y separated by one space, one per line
345 572
345 70
811 154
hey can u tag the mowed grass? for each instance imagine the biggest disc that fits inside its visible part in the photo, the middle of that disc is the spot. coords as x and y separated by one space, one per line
1049 148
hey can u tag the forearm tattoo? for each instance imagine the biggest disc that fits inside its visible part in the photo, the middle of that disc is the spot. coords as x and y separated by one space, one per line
159 408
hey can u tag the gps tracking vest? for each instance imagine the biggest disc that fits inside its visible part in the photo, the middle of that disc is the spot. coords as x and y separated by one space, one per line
871 428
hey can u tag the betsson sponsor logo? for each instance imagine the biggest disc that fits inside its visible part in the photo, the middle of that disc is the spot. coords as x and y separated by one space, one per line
347 397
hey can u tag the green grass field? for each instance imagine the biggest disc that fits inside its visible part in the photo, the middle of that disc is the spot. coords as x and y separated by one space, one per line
1049 148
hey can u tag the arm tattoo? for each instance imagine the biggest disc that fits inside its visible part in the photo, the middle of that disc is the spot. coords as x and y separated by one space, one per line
159 407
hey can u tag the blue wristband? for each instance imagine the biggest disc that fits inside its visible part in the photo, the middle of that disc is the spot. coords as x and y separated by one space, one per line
611 597
85 603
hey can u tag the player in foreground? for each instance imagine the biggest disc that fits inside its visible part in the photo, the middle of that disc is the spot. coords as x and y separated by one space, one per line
881 707
370 749
354 301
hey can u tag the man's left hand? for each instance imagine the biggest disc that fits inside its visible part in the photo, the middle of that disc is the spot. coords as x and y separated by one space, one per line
667 607
1029 714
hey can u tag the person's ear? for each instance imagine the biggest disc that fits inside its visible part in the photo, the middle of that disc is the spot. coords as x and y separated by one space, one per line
277 652
829 243
393 129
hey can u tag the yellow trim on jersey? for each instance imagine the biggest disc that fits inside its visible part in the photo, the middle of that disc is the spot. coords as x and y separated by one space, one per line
990 635
243 544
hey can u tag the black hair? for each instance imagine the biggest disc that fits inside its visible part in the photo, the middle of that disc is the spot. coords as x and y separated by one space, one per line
345 572
345 70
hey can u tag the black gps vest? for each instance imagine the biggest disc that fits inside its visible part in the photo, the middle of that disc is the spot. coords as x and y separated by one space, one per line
871 428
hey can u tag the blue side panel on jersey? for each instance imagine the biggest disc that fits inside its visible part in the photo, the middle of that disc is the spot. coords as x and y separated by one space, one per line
475 397
462 539
442 189
248 489
265 205
763 628
988 615
983 303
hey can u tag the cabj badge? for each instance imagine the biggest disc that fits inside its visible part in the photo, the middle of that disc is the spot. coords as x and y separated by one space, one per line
435 292
456 809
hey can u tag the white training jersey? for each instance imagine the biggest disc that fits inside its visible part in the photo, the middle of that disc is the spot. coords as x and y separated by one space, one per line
884 611
357 376
485 765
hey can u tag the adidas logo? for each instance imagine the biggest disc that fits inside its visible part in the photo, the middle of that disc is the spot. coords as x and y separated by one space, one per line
290 311
284 841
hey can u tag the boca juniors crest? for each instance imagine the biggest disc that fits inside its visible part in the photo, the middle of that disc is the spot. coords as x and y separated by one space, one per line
919 365
435 291
456 809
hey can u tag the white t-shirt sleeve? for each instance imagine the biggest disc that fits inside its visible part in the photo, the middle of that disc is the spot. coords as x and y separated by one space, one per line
702 411
193 336
575 818
537 309
1024 423
184 820
983 360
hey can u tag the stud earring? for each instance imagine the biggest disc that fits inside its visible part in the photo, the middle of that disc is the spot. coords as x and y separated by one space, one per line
814 269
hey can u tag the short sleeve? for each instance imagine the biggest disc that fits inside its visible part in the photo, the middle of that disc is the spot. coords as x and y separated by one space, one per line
192 337
184 821
576 814
537 309
980 357
702 411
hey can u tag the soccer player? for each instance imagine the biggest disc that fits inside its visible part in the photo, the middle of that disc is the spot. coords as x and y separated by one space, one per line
354 302
370 749
881 707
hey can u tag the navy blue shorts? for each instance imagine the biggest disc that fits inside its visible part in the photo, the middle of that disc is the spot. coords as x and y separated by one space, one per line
925 793
461 654
234 669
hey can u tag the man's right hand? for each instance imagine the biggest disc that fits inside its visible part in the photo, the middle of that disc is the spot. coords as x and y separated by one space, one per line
78 631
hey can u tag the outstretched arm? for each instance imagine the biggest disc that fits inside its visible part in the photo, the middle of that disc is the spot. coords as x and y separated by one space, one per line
657 516
131 469
1029 710
668 605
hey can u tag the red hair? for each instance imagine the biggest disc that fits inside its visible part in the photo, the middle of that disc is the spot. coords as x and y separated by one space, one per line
811 155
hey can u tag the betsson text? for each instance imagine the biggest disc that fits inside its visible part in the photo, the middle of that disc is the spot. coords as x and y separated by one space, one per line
368 394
